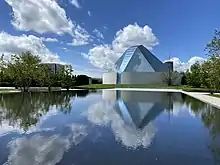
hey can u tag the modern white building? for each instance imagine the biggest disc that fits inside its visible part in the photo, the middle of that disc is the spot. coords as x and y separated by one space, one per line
138 65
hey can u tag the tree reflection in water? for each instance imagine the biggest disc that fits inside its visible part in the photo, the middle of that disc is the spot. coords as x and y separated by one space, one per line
211 119
25 109
210 116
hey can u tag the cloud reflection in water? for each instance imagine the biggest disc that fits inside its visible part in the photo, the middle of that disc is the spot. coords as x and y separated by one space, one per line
104 113
41 150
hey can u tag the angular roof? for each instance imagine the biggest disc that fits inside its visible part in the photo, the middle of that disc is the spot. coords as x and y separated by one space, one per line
151 62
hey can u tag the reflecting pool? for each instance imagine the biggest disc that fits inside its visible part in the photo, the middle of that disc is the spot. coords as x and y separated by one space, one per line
107 127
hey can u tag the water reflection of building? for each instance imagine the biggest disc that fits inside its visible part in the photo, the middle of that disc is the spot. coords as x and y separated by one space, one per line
138 109
131 114
138 114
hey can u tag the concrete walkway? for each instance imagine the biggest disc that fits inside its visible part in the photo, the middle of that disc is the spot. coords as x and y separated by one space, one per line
204 97
9 91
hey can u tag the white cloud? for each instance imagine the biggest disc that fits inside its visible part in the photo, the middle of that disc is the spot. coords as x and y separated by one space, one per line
98 33
78 42
16 44
104 56
89 13
46 16
39 149
134 35
78 133
81 33
91 72
81 37
65 49
75 3
41 16
49 39
183 66
103 114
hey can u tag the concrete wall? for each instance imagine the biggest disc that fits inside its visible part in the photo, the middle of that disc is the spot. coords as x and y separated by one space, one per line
142 78
109 78
137 78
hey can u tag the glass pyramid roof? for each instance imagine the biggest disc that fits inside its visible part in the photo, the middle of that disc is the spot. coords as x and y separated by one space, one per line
139 59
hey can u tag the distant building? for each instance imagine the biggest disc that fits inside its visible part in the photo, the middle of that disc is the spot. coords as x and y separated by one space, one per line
138 65
95 80
54 66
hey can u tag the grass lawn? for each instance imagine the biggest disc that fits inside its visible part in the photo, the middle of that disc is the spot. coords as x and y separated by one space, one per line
109 86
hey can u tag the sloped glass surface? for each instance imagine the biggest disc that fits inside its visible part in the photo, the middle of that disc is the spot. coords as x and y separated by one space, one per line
126 58
138 63
139 59
156 64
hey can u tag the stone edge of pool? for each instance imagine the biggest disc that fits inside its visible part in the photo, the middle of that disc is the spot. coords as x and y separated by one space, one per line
214 101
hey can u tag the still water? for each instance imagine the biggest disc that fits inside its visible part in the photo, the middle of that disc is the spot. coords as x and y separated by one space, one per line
108 128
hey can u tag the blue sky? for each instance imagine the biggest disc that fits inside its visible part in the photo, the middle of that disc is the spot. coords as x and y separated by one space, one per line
92 34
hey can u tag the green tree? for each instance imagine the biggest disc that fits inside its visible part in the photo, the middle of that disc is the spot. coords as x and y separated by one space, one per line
210 117
213 48
66 76
23 68
47 77
2 67
210 71
183 79
193 76
169 78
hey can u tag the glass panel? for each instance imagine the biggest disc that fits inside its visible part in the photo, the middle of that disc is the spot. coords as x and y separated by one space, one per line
139 63
126 58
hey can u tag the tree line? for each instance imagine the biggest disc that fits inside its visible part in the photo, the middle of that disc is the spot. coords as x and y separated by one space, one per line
26 70
207 74
201 75
17 110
